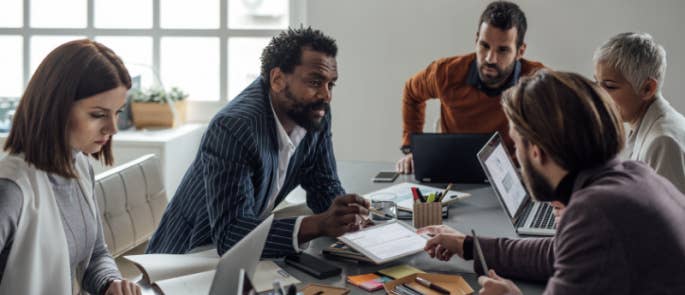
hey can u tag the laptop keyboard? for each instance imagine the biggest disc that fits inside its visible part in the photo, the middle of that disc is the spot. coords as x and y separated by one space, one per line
544 217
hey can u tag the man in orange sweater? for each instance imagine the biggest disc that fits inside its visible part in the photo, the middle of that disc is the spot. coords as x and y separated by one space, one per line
469 86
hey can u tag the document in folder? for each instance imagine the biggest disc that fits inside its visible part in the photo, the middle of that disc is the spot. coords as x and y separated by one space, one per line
386 242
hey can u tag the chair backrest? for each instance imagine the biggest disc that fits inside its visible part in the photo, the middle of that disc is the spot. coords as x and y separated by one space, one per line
131 199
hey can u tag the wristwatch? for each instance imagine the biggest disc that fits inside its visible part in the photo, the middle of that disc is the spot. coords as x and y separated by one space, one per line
406 149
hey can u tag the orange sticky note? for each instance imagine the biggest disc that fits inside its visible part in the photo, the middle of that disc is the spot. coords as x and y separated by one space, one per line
360 279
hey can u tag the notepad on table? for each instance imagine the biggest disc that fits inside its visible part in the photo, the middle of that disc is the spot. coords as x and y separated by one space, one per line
369 282
399 271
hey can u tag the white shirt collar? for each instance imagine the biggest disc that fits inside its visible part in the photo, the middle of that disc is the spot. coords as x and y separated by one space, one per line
284 140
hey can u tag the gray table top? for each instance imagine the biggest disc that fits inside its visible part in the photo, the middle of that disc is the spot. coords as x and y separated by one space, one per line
481 212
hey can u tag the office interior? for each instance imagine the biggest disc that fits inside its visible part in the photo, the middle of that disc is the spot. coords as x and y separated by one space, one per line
210 49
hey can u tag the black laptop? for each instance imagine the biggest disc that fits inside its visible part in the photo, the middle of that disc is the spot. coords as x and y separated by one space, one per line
448 157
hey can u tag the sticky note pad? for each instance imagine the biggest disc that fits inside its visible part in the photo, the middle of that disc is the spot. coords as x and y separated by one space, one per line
399 271
360 279
369 282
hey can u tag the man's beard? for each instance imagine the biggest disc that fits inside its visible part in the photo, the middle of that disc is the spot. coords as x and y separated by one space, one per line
302 113
502 74
538 186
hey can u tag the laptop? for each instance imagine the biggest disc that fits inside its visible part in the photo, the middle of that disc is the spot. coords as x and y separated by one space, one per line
245 286
244 256
527 216
448 157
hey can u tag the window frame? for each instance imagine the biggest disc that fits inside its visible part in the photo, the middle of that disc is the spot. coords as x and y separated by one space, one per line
197 110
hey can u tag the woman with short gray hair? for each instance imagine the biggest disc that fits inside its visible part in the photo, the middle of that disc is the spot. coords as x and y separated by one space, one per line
632 68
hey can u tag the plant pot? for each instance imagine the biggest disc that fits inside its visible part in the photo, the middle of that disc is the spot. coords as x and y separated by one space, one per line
150 114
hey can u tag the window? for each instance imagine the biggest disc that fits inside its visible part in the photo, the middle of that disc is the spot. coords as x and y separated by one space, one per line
208 48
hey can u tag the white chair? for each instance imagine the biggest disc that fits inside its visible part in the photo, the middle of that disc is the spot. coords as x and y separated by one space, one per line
131 200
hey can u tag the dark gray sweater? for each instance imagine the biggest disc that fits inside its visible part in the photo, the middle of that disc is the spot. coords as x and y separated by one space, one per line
623 232
83 231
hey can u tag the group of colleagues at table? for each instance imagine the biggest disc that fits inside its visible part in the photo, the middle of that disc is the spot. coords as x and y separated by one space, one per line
618 197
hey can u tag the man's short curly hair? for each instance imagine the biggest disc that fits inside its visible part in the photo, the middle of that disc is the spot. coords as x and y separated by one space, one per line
505 15
285 49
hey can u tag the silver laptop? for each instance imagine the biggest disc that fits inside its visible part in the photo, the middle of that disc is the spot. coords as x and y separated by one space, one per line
244 255
527 216
245 286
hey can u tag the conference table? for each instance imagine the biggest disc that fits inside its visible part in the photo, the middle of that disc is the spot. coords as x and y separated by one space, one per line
481 212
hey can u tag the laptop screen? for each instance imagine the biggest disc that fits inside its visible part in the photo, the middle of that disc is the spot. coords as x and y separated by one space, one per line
502 174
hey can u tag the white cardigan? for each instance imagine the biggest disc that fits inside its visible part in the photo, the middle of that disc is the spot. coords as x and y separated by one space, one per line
39 260
660 142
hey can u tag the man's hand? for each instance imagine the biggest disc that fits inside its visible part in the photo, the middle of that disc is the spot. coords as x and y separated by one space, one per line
445 242
346 214
405 165
496 285
123 287
557 211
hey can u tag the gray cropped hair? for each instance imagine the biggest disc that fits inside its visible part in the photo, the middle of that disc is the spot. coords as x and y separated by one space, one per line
636 56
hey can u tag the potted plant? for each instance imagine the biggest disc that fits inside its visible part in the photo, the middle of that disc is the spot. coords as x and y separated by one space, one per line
155 107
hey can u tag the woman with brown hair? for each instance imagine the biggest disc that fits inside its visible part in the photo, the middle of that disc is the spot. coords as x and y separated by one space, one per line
50 233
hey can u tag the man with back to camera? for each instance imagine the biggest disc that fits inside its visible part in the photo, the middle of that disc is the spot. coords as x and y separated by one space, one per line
272 137
621 231
469 86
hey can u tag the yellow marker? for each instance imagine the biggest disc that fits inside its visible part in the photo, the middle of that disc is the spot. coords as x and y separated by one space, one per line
431 198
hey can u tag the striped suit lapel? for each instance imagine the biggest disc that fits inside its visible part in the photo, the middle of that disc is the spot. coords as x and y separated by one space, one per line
270 165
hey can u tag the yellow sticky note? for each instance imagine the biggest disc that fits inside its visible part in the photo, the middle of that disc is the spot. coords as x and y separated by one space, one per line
399 271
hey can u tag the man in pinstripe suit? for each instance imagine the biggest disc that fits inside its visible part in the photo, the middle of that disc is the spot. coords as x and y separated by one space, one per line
272 137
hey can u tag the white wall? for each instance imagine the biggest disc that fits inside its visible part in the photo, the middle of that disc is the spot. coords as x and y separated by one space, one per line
383 42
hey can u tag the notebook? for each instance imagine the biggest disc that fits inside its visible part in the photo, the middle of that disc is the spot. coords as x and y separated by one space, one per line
385 242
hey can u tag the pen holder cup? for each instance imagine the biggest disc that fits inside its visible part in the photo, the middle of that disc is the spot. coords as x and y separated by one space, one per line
426 214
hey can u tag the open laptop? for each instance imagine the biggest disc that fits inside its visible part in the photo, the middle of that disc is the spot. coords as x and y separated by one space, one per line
527 216
245 256
245 286
447 157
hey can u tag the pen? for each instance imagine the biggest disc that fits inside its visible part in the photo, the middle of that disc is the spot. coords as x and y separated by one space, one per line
399 290
444 193
380 213
431 285
410 289
479 251
278 288
421 197
293 291
416 194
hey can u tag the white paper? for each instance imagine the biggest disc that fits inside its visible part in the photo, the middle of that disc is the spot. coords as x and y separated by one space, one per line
157 267
198 283
194 273
402 196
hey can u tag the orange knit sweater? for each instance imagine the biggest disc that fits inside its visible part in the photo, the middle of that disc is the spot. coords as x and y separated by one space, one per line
463 107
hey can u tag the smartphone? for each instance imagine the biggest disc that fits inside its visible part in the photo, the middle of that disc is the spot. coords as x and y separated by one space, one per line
312 265
385 176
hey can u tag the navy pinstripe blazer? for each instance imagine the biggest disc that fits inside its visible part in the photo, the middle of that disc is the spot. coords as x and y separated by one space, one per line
228 184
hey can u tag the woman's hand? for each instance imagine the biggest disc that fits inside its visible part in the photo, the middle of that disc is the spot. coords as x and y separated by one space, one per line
123 287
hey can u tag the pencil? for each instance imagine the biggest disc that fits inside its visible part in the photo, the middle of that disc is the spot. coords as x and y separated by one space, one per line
444 193
479 251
